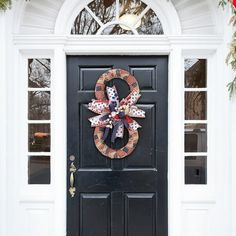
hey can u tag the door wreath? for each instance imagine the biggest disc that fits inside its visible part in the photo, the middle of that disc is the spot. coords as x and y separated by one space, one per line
114 115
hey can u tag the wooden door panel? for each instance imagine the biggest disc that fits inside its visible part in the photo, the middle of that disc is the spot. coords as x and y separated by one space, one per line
125 197
87 159
92 73
140 207
145 152
146 76
95 224
117 181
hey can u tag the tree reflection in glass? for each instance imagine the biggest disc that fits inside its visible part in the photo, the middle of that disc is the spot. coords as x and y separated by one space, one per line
195 106
39 73
85 24
150 24
105 10
39 105
101 12
195 73
131 7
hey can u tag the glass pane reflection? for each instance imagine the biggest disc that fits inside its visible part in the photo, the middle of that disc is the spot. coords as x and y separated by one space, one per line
39 170
39 138
150 24
195 170
131 7
195 73
195 106
195 137
39 73
105 10
85 24
39 105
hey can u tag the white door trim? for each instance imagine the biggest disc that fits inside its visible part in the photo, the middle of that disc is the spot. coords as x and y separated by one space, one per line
52 199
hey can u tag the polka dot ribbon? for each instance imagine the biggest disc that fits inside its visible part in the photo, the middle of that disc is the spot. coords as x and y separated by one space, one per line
114 115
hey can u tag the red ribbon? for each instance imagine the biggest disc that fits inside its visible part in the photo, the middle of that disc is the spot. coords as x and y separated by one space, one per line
234 3
128 119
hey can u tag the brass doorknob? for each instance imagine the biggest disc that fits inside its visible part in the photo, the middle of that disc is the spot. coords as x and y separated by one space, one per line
72 188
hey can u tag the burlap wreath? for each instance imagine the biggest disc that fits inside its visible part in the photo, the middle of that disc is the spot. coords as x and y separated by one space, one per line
101 96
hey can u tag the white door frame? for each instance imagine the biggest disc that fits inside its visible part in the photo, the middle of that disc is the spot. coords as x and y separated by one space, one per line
50 201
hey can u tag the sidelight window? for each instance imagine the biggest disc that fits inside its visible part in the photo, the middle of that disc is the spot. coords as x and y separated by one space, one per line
117 17
39 112
195 124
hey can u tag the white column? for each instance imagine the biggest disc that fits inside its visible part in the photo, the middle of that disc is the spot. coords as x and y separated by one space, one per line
228 118
59 146
175 156
3 184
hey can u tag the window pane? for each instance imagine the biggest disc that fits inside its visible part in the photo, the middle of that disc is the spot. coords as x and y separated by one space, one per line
131 7
39 73
196 170
195 106
39 105
105 10
39 138
39 170
150 24
195 73
195 137
84 24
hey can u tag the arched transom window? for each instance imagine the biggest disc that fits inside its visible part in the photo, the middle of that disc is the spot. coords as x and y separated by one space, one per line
115 17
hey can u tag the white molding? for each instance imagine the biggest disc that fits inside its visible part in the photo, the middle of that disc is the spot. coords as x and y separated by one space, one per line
144 39
129 44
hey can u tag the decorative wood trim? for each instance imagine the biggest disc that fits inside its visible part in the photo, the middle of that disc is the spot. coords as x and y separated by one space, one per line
120 40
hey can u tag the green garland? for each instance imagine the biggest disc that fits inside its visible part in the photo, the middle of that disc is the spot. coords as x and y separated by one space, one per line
231 57
5 4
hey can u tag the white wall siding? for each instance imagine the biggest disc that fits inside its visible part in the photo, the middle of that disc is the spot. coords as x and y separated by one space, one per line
195 16
39 17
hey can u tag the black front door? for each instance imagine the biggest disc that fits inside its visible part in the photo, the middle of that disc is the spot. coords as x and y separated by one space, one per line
125 197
